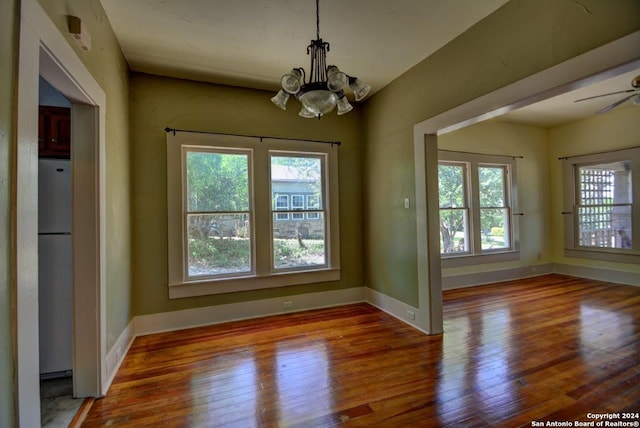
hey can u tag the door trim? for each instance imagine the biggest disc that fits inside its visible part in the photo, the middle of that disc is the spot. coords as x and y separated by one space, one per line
45 51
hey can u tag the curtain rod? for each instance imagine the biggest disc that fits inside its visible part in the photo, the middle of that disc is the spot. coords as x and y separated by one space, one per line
174 130
598 153
481 154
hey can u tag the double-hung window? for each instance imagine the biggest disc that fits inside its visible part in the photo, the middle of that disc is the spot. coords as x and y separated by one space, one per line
478 214
247 213
601 213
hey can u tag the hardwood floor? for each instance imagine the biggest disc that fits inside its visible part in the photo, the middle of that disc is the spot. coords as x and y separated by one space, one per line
551 348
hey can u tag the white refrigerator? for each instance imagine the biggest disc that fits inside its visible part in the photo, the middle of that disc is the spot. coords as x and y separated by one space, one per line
54 267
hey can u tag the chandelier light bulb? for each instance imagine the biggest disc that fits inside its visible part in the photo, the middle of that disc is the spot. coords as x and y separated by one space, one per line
336 79
292 81
281 99
360 90
344 106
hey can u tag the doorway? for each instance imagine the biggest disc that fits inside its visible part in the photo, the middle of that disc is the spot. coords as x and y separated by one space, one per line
55 309
44 52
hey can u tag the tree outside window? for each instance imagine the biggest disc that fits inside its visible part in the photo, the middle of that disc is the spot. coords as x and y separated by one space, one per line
475 204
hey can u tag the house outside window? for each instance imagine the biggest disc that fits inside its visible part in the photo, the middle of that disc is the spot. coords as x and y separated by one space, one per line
601 205
478 208
312 204
297 204
282 204
239 213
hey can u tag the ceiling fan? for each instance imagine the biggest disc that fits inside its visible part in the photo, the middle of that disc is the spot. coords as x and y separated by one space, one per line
635 96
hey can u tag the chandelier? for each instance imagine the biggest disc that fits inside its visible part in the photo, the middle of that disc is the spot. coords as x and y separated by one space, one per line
324 90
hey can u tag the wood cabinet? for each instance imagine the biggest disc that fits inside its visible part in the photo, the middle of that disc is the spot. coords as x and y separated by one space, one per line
54 132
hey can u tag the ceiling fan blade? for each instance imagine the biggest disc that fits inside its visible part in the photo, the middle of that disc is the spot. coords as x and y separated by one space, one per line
616 104
606 95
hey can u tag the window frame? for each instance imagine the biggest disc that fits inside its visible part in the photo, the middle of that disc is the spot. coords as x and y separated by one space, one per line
263 276
474 253
570 198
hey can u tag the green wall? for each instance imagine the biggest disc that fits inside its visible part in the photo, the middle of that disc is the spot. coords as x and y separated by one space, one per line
8 43
530 142
616 129
157 103
108 67
520 39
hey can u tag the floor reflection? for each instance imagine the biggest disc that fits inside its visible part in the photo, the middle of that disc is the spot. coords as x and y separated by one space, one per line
603 329
475 369
234 384
303 381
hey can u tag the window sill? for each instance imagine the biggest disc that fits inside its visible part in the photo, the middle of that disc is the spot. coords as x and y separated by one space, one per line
468 260
233 285
602 255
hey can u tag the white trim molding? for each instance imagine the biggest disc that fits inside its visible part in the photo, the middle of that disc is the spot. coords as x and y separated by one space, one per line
397 309
44 51
118 351
176 320
482 278
600 274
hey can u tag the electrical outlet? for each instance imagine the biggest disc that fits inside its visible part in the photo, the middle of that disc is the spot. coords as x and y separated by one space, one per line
411 315
119 353
288 304
407 203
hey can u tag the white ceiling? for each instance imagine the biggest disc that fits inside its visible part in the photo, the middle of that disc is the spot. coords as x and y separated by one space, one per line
251 43
563 108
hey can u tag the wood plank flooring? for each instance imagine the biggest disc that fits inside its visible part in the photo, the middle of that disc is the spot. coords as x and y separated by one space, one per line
552 348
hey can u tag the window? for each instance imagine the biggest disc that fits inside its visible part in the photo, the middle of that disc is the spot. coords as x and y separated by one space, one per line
282 204
313 204
245 213
599 208
477 208
298 244
297 204
217 213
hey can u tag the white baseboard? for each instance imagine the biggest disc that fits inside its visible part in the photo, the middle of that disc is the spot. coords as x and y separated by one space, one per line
483 278
176 320
396 308
116 354
609 275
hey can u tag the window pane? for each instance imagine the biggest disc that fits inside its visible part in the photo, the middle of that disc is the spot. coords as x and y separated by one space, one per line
218 244
491 183
451 186
298 244
297 202
454 236
604 226
299 175
298 239
494 228
605 184
217 182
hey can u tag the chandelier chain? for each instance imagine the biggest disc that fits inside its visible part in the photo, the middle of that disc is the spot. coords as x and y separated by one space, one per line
317 19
